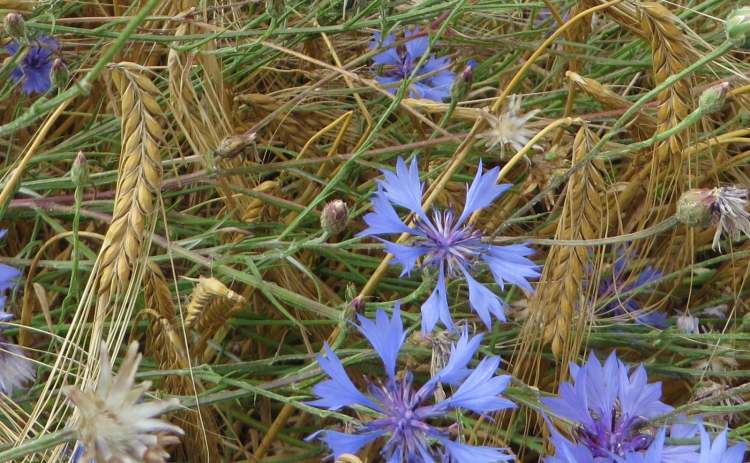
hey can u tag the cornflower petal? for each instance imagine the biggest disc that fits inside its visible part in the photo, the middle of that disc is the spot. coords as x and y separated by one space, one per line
483 191
717 452
386 337
416 44
455 370
464 453
390 55
406 256
483 301
341 442
509 263
637 394
565 450
383 220
436 306
403 187
339 391
480 391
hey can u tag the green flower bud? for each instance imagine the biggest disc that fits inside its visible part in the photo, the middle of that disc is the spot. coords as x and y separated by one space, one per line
713 98
15 26
79 170
334 217
695 208
59 74
737 27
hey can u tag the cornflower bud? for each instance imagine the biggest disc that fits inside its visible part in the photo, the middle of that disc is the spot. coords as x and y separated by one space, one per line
737 27
59 74
334 217
462 84
15 26
79 170
694 208
713 98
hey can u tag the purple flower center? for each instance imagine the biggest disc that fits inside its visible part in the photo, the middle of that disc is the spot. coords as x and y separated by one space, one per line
450 241
620 437
403 416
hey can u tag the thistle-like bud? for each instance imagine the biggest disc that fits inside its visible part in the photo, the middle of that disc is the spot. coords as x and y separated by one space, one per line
59 74
334 217
737 27
713 98
14 26
695 208
79 170
233 145
463 82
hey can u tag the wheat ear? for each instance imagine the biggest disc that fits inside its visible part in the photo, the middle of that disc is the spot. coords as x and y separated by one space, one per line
562 289
211 305
612 100
138 182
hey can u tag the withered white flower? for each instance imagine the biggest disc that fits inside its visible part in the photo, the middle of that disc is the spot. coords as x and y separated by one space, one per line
115 425
509 128
731 203
15 369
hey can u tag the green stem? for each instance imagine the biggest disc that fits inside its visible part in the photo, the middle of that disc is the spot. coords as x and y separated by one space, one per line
43 106
639 235
42 442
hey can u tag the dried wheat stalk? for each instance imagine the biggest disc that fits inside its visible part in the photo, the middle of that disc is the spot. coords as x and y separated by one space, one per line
562 288
138 182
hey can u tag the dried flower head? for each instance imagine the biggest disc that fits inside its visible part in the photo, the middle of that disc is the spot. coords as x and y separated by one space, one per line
509 128
115 425
725 206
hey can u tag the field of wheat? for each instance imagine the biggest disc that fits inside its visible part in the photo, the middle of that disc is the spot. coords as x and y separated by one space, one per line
457 231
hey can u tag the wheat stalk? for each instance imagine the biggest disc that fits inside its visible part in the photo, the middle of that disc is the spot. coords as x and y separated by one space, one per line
138 182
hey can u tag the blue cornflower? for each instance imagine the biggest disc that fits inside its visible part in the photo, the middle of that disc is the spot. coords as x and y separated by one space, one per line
611 409
617 283
34 68
405 414
15 368
717 451
433 80
447 243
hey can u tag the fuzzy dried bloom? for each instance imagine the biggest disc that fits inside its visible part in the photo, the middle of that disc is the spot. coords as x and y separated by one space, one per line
509 128
115 424
725 206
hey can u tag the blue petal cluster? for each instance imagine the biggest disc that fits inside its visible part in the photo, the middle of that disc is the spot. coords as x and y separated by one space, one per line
717 452
404 414
35 67
611 409
447 243
618 283
15 369
432 80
